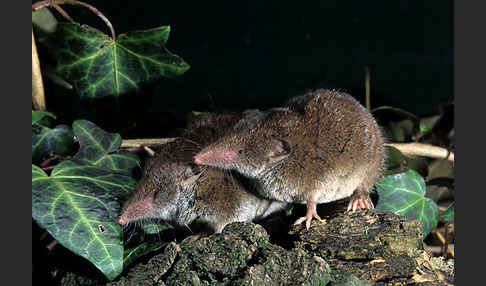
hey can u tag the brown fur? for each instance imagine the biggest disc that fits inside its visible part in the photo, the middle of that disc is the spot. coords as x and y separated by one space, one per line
175 190
322 147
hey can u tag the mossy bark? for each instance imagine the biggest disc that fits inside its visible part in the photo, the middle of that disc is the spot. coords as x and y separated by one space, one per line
377 248
240 255
357 249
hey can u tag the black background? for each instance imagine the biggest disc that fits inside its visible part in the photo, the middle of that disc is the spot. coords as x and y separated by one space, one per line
205 33
257 54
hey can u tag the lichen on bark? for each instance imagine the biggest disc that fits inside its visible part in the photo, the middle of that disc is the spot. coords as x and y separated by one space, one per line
359 249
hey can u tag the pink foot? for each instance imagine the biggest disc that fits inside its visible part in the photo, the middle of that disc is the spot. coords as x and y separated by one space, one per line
360 201
311 213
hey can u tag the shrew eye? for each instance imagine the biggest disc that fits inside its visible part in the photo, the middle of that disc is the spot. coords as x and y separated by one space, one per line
241 152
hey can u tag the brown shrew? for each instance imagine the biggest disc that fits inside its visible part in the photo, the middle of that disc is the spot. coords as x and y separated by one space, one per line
175 190
321 147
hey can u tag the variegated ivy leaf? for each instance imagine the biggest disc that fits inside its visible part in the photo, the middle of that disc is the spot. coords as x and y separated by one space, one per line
38 116
100 148
46 141
448 214
403 194
98 66
131 254
78 204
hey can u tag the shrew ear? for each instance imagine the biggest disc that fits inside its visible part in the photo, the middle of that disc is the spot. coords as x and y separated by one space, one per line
279 149
191 174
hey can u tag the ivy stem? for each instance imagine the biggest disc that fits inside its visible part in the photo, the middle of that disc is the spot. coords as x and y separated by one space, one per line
443 241
49 161
48 168
63 13
46 3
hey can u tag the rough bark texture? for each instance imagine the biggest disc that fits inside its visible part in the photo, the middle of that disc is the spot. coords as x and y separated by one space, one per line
374 248
358 249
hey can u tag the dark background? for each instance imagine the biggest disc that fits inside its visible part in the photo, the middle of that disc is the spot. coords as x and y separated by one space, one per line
257 54
469 62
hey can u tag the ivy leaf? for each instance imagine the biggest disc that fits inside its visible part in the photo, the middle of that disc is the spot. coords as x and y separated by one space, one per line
44 20
403 194
131 254
78 205
100 148
394 161
396 114
151 227
402 124
448 214
427 123
98 67
288 210
38 116
423 127
46 141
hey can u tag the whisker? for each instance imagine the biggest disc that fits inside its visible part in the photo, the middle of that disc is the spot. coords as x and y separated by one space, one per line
188 228
192 141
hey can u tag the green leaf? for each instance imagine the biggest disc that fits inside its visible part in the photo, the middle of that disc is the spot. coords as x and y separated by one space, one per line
44 20
37 117
46 141
151 227
394 160
440 188
403 194
401 122
423 127
448 214
440 169
79 205
98 67
100 148
419 164
427 123
199 113
288 210
397 114
131 254
451 137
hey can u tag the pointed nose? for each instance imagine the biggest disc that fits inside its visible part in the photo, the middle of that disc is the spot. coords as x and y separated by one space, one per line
121 221
202 158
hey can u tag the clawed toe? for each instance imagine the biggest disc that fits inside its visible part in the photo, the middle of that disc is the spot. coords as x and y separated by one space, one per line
311 213
300 220
360 204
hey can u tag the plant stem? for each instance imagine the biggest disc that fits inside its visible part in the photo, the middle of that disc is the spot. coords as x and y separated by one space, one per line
410 149
127 143
443 241
63 13
421 149
51 245
38 98
48 168
41 4
49 161
367 88
140 149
